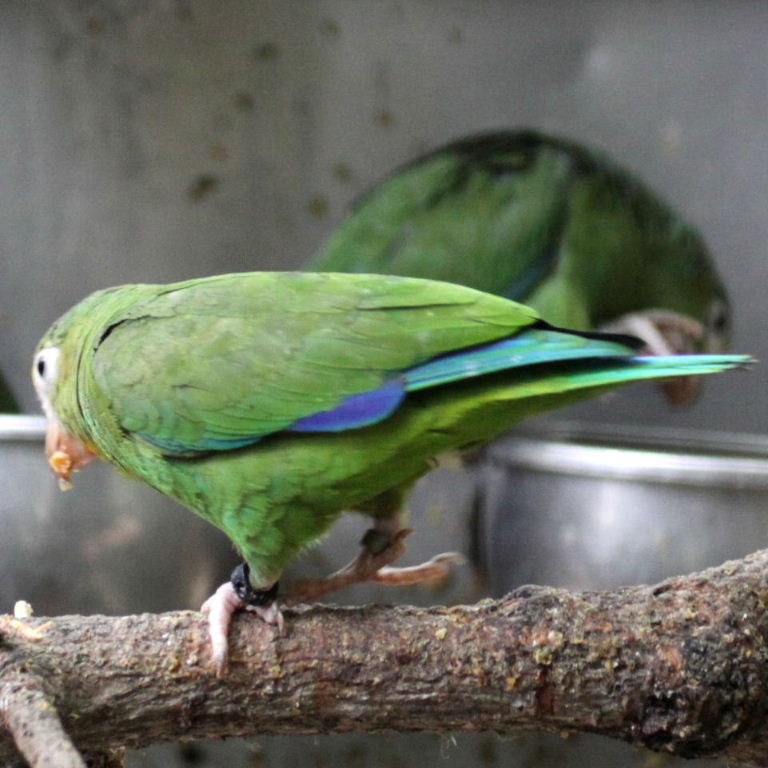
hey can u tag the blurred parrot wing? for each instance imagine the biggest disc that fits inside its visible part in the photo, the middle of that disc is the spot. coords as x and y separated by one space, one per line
458 213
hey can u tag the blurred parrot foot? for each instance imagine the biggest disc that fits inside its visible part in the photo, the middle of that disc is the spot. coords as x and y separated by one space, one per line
237 595
372 564
666 333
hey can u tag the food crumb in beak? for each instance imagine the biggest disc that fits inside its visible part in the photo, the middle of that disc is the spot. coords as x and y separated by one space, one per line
61 464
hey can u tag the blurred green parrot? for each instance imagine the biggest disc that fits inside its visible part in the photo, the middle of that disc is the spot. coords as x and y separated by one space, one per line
269 402
552 224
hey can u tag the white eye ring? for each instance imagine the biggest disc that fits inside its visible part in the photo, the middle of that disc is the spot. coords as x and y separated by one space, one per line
45 369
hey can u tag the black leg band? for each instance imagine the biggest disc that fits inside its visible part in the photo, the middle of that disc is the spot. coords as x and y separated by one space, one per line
246 592
375 541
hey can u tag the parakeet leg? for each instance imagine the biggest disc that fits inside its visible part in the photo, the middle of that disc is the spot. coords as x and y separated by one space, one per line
382 545
665 333
237 595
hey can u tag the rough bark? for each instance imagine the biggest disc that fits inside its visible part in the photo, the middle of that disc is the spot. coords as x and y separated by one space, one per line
30 716
680 667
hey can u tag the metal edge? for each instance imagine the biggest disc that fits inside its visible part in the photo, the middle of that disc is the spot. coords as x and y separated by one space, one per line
622 463
22 427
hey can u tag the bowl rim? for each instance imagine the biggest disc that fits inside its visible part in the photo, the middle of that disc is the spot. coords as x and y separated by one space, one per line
638 453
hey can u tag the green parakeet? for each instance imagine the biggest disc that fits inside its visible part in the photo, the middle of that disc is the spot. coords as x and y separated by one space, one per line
270 402
552 224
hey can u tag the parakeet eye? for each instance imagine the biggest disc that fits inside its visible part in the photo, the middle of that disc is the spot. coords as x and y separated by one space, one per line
46 369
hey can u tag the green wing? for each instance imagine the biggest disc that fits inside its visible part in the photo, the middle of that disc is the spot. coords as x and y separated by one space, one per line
207 363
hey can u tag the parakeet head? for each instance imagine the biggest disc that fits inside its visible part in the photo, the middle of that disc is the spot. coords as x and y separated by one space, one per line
55 369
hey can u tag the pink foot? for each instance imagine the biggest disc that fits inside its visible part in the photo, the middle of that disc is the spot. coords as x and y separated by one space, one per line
664 332
220 607
368 566
435 569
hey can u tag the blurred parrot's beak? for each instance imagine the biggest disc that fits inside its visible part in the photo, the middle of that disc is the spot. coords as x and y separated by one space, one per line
66 454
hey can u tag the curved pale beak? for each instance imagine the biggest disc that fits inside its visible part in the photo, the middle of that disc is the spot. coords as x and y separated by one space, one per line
66 454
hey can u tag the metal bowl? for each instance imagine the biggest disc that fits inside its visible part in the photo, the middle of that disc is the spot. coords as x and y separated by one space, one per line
589 508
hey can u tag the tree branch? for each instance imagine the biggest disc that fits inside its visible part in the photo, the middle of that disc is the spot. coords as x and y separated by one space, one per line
32 720
681 667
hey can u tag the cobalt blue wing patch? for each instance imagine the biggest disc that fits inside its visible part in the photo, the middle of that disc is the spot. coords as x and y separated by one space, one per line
356 411
352 413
